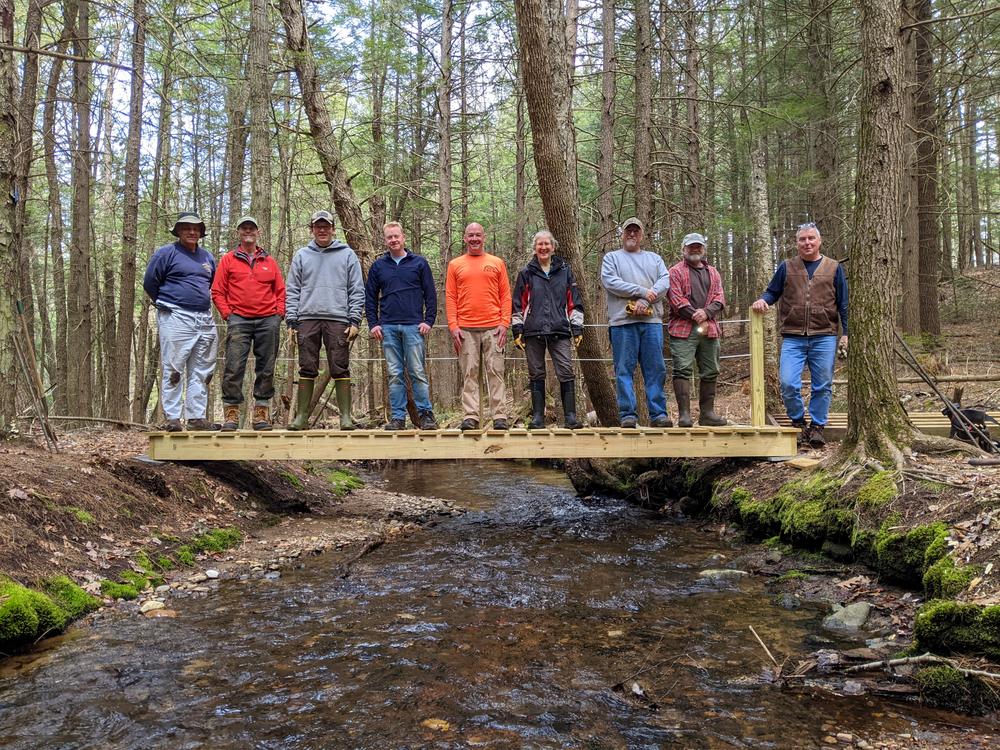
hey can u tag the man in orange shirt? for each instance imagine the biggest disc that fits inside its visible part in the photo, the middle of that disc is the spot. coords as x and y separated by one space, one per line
477 296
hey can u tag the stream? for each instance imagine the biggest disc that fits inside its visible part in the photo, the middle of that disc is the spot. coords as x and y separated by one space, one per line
537 619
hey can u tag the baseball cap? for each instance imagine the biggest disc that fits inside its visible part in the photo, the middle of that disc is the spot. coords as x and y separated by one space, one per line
630 221
694 238
322 216
247 220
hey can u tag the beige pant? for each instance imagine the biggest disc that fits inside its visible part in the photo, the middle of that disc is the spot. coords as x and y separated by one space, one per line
476 342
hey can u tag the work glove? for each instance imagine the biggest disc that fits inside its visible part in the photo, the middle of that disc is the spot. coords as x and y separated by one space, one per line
519 342
577 340
352 333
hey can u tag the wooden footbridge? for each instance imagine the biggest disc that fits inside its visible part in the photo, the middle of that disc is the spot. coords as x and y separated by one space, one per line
755 440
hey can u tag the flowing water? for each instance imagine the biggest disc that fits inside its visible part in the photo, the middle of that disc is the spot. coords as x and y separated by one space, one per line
537 619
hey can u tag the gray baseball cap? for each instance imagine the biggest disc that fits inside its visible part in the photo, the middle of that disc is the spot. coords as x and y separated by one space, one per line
630 221
188 217
247 220
322 216
694 239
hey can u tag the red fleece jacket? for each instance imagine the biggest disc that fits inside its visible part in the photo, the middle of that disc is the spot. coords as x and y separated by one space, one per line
251 287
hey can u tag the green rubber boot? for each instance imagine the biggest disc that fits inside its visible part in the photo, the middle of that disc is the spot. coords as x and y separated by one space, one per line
343 388
301 421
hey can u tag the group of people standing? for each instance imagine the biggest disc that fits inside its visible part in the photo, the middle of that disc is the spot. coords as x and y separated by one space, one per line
325 297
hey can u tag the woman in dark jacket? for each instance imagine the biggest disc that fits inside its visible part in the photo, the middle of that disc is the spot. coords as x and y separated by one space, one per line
548 314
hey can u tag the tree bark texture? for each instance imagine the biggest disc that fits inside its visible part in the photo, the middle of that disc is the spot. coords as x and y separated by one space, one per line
642 176
606 153
259 86
8 144
927 123
444 135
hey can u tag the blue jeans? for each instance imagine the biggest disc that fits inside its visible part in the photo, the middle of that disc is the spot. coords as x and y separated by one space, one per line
818 352
642 344
404 348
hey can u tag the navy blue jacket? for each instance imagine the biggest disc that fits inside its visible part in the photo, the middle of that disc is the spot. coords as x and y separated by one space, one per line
178 277
400 293
777 286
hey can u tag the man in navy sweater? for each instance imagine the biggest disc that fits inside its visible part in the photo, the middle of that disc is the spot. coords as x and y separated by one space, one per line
401 305
179 281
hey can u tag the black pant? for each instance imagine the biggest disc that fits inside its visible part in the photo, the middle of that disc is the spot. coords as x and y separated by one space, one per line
332 335
241 334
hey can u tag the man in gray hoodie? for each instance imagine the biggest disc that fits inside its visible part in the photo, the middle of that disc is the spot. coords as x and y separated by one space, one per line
324 301
636 282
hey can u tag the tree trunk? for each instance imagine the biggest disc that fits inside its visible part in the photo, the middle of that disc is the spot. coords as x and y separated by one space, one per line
909 261
8 151
444 135
520 176
606 153
695 204
259 86
927 124
976 255
643 177
540 69
877 424
324 140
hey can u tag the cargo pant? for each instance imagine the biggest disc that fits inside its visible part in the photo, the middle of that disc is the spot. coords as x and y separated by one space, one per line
241 334
476 342
188 346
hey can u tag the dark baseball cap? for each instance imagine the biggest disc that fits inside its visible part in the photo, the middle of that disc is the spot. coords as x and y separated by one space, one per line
322 216
630 221
247 220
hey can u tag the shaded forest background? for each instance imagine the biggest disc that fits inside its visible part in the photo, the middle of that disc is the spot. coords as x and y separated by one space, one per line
739 120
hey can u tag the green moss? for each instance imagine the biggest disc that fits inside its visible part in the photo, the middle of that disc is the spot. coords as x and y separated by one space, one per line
79 513
793 575
343 481
803 523
18 620
74 600
946 687
810 512
185 555
117 590
758 517
863 546
141 559
944 581
878 491
217 540
165 537
905 557
292 479
165 562
945 627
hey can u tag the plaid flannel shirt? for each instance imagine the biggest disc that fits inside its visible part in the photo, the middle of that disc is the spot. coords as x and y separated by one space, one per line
679 297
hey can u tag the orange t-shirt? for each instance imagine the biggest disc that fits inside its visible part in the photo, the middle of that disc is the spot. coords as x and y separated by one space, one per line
477 292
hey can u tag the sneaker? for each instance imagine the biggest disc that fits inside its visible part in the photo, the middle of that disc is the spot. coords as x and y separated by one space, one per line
663 421
261 419
173 425
629 423
201 425
499 424
427 421
395 424
816 439
469 424
231 423
803 428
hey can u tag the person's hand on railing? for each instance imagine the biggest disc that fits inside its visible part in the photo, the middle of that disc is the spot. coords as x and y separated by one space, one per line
760 306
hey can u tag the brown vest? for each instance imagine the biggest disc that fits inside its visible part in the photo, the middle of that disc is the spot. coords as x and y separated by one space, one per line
808 307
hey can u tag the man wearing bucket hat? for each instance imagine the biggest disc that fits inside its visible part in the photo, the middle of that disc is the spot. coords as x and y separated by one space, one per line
178 280
249 293
696 299
636 282
324 301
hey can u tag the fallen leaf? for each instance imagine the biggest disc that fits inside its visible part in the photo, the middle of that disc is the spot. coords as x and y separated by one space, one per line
439 725
16 493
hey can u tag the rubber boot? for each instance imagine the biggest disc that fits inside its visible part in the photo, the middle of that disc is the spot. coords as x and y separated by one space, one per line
682 392
343 388
706 405
537 405
568 392
301 421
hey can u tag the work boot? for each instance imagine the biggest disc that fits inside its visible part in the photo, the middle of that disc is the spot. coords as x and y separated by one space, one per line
261 418
629 423
343 388
662 421
568 392
395 424
537 405
427 421
173 425
499 424
305 394
469 424
201 425
682 392
816 439
803 427
706 406
231 423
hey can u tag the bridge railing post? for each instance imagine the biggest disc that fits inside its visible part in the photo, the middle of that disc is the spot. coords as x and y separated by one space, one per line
757 416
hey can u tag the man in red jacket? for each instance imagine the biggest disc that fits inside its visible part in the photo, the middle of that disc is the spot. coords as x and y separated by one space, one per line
249 293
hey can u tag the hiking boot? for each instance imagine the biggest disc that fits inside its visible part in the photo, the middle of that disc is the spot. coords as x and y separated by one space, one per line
395 424
304 399
343 388
469 424
816 439
201 425
629 423
537 405
261 418
173 425
682 392
231 423
803 428
500 424
706 406
662 421
567 391
427 421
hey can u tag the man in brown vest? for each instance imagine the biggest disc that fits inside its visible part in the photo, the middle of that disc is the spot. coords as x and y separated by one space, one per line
811 292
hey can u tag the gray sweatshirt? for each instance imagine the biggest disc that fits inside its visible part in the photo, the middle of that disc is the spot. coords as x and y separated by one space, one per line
324 283
626 276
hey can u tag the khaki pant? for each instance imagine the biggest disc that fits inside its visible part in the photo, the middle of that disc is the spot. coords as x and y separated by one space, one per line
476 342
